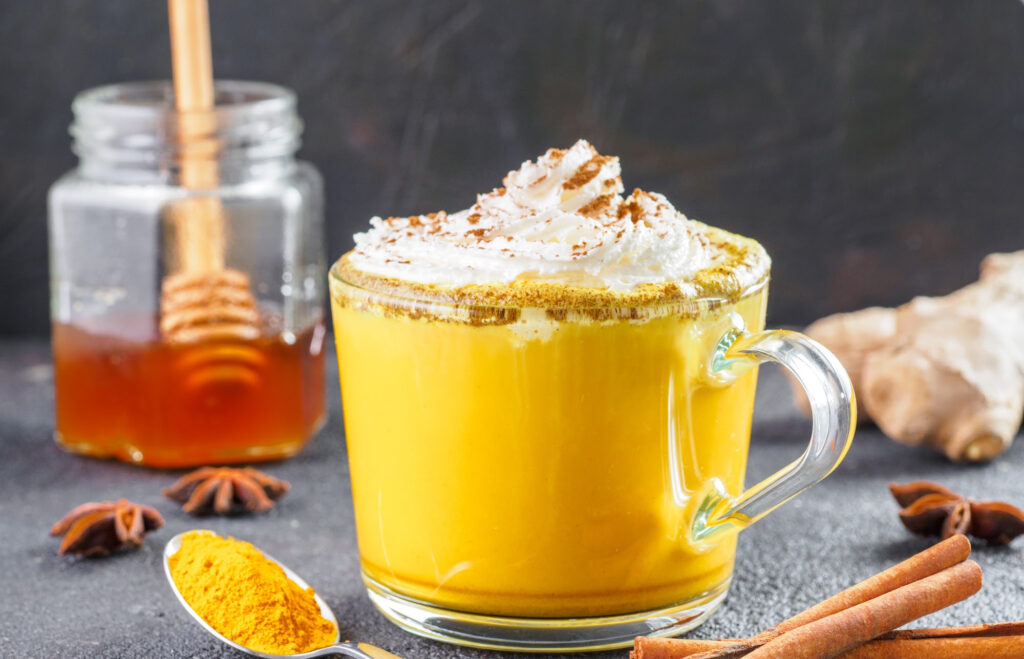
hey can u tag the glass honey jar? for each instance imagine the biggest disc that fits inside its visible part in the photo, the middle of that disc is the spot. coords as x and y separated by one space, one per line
188 322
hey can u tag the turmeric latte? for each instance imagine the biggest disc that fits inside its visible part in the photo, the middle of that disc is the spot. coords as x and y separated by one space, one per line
247 597
529 419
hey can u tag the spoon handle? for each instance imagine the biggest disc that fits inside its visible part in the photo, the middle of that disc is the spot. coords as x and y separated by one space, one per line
350 649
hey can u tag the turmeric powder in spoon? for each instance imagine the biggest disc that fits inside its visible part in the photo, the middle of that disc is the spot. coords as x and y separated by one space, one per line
247 597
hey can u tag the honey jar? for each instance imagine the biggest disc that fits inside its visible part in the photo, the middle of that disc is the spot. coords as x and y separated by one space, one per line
188 322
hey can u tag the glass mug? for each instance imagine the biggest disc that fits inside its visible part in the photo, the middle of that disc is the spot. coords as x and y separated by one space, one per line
562 478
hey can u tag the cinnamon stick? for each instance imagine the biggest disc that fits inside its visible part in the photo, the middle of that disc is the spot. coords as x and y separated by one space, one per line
646 647
978 647
992 641
993 629
845 630
1005 639
936 558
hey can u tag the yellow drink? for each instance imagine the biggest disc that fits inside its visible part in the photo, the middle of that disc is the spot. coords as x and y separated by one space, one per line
522 464
548 399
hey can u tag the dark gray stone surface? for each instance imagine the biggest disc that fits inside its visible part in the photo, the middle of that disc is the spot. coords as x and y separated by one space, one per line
843 530
873 147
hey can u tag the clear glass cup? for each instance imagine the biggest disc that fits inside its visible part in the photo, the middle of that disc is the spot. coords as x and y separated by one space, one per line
562 477
187 315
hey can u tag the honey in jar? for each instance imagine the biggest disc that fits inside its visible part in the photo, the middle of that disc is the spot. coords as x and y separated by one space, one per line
188 320
137 398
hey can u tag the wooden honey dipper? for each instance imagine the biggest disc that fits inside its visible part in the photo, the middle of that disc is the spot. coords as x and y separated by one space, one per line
203 299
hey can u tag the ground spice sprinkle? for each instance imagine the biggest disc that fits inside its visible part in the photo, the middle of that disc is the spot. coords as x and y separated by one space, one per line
247 597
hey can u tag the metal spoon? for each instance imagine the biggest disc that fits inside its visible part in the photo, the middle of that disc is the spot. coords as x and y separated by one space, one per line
347 648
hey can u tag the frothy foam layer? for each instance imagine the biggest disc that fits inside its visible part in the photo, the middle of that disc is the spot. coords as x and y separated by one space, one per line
562 220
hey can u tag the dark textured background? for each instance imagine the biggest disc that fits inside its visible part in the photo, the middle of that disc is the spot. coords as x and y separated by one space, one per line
875 148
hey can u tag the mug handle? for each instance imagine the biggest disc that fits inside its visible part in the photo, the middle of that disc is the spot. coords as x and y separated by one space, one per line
833 416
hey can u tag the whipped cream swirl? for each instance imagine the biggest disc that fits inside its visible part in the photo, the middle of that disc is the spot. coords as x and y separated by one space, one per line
560 219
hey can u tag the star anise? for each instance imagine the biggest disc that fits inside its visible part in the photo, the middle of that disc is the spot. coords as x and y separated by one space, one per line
930 509
226 491
97 529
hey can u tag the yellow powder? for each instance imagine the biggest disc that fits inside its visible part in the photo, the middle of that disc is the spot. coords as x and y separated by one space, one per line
247 597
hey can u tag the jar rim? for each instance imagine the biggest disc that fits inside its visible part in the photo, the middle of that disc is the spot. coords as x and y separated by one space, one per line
133 130
154 98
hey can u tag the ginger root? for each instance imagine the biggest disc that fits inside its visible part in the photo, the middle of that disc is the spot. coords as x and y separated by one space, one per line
944 372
